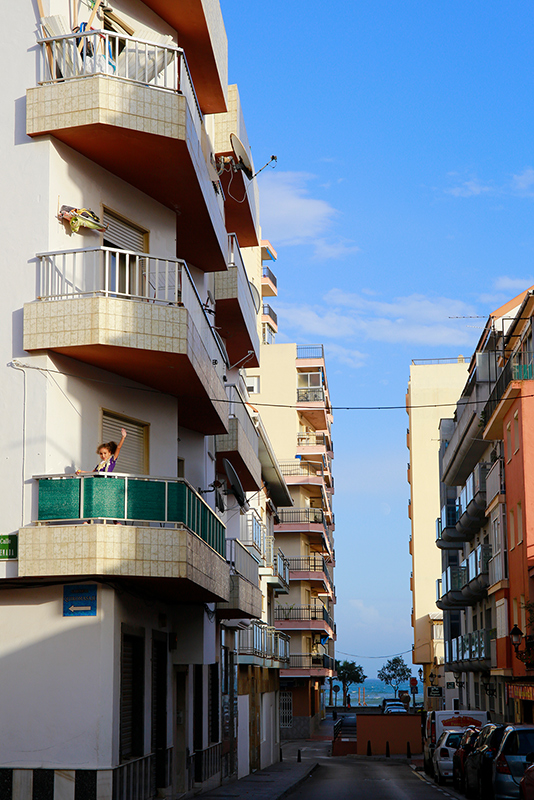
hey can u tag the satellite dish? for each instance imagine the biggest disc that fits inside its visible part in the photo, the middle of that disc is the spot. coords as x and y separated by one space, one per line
235 485
222 347
241 155
255 296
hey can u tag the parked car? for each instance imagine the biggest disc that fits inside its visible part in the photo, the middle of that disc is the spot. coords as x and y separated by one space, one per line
438 721
395 709
526 785
446 745
467 743
511 761
478 764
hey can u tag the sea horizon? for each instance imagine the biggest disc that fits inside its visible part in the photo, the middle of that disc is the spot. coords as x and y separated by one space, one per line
375 692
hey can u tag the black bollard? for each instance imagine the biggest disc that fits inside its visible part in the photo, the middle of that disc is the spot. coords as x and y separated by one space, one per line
299 756
408 751
387 750
369 753
281 755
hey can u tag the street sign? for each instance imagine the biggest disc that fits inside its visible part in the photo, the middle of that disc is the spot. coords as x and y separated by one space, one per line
79 600
413 682
450 685
336 689
434 691
9 546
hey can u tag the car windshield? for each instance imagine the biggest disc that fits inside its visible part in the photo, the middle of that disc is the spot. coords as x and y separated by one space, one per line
454 740
519 743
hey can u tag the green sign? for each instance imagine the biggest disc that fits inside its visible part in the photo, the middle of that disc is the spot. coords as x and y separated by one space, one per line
9 546
434 691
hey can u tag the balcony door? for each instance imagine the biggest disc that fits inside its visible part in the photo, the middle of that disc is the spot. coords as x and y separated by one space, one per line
133 458
126 275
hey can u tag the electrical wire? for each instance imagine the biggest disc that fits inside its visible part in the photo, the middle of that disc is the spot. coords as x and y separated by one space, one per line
392 655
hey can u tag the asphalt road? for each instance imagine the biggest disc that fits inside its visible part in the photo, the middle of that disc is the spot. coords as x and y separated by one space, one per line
348 779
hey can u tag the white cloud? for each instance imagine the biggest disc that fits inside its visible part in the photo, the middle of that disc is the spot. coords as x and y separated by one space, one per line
413 319
469 188
507 284
524 182
291 216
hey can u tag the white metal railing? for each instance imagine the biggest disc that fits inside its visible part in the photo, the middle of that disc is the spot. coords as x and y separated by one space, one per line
253 531
85 54
237 408
241 561
497 568
244 291
110 272
263 641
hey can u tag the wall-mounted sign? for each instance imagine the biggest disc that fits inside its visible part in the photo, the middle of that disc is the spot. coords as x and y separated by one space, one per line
434 691
451 685
79 600
9 546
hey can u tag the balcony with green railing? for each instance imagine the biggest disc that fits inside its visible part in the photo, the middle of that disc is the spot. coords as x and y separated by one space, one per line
158 531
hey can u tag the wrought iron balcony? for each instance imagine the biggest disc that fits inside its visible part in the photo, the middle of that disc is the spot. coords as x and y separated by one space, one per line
307 661
312 564
270 316
263 645
304 614
310 351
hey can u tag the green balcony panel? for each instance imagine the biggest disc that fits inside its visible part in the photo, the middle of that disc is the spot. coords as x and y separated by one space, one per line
146 500
59 499
103 498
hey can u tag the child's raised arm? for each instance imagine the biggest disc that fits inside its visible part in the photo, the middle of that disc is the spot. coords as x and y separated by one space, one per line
120 444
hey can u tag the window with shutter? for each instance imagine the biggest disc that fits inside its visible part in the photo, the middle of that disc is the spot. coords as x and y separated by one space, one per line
133 457
123 234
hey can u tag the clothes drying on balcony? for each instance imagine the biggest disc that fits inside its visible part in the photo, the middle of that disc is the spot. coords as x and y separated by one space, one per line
81 217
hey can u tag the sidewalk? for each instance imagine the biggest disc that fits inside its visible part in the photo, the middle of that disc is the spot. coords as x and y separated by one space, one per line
279 780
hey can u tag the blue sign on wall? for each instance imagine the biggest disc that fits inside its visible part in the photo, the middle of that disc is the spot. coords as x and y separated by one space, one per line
79 600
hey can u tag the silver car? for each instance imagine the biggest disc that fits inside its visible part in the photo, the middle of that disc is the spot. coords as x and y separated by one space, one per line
446 746
511 761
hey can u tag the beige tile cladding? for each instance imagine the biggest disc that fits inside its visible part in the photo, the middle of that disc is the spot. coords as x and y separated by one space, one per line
237 440
243 597
107 101
106 320
47 550
226 284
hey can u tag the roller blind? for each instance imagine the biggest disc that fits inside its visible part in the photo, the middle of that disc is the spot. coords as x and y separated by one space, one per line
133 457
123 234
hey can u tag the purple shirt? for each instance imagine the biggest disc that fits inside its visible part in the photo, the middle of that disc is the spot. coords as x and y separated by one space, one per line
108 466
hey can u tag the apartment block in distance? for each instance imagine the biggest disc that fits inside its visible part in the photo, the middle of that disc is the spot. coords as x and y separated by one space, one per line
291 390
138 630
432 385
486 521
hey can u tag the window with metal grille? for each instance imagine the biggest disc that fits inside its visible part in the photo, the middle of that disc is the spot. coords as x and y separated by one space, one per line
286 710
132 696
133 457
124 235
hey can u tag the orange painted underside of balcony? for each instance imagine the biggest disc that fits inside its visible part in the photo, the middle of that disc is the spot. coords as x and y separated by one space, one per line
237 206
311 672
171 373
233 328
247 478
161 167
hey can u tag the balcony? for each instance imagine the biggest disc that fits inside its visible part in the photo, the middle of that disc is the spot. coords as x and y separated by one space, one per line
302 472
312 404
276 568
495 486
134 314
446 531
170 544
472 503
315 444
245 595
268 316
241 196
262 646
136 114
269 284
308 665
236 310
313 569
477 574
507 388
311 521
441 542
304 618
312 353
240 445
498 569
449 595
470 652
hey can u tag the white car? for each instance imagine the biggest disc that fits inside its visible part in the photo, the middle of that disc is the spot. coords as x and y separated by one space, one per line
446 746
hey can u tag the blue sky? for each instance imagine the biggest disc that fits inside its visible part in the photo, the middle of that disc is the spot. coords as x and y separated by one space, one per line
402 196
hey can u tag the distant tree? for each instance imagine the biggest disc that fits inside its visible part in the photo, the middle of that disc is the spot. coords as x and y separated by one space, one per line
394 672
348 673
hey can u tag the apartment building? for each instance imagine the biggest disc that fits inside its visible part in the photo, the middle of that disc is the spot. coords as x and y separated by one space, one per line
433 385
485 526
291 390
138 605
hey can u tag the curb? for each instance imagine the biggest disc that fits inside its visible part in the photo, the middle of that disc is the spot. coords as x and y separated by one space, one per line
299 782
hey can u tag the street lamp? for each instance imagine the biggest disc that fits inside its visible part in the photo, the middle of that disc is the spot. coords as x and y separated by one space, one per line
459 684
516 635
432 678
420 674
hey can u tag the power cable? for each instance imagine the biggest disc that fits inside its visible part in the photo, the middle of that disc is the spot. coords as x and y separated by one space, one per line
392 655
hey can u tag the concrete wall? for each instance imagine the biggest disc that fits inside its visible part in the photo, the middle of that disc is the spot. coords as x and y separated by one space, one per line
397 729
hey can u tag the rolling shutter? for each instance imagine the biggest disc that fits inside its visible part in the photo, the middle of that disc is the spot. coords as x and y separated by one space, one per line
123 234
133 457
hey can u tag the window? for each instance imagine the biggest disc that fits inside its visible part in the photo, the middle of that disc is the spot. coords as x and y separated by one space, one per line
511 532
519 523
123 234
523 625
134 454
309 380
132 696
268 333
253 384
516 431
180 468
509 441
501 613
495 536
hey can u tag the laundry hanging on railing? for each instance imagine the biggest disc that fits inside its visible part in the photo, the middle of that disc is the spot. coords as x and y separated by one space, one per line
80 217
